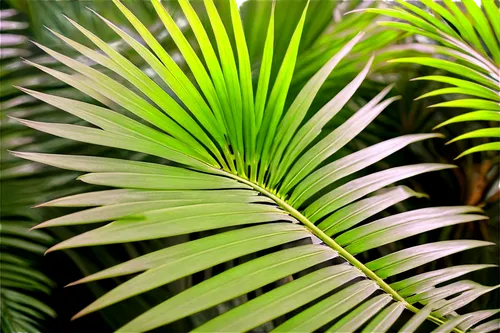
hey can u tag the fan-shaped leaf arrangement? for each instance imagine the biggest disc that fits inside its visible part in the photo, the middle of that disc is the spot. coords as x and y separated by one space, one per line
256 176
469 48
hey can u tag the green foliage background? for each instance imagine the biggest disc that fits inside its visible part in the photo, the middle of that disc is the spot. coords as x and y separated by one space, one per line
327 29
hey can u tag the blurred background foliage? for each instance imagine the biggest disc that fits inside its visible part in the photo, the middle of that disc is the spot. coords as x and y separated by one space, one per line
327 29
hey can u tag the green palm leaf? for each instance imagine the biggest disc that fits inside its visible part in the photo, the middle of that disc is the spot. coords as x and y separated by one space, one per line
26 183
23 288
21 281
259 181
471 49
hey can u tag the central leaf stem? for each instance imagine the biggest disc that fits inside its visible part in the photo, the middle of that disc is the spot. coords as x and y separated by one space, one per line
330 242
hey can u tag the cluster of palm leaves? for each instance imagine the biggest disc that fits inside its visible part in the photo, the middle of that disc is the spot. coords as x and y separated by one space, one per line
246 168
471 41
23 288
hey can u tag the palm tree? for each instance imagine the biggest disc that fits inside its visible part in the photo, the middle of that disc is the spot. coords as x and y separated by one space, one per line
25 291
249 179
469 47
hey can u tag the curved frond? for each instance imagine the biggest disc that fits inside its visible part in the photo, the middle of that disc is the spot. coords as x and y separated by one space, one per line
21 281
248 180
23 287
469 50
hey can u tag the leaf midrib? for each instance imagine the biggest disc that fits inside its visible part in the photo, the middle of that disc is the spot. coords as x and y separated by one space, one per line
330 242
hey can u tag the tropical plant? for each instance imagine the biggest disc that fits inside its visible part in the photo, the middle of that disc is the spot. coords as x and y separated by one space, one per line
51 14
25 183
21 282
22 285
378 41
469 47
250 179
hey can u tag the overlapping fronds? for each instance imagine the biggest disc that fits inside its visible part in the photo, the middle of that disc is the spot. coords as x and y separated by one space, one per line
39 14
254 175
21 282
467 50
377 41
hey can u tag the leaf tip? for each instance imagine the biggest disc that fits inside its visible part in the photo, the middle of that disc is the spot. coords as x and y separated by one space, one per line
421 195
53 248
438 126
92 10
355 11
82 312
80 178
38 226
37 44
74 283
19 87
14 153
43 204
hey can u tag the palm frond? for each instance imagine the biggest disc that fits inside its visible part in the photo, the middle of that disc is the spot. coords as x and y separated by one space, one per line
254 175
21 281
468 47
23 288
336 35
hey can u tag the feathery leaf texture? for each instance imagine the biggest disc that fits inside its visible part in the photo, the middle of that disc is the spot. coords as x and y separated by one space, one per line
469 49
22 285
256 176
